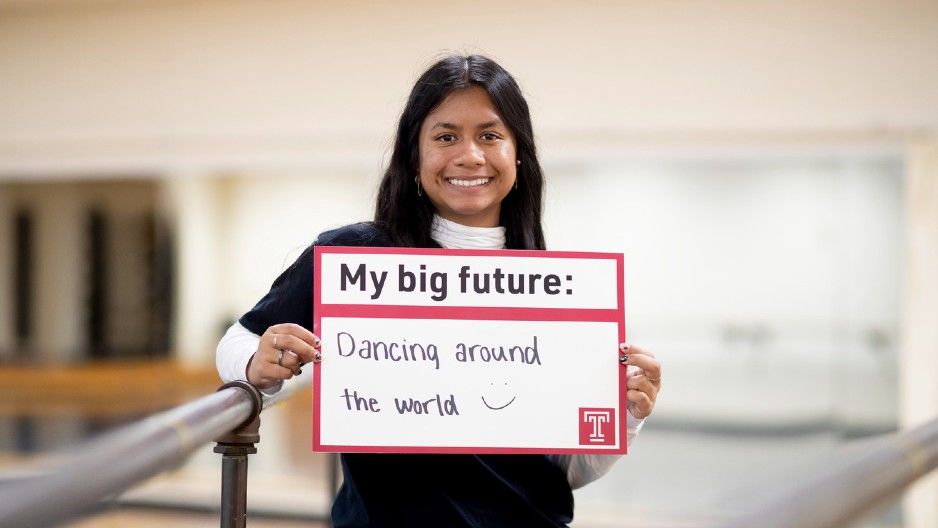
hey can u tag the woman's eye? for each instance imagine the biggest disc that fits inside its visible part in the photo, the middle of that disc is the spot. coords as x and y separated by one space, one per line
446 138
490 136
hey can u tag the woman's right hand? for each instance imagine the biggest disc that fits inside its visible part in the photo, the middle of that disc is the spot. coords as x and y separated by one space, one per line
281 351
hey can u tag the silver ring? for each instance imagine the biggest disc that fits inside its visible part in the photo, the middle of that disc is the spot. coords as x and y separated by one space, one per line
275 340
279 357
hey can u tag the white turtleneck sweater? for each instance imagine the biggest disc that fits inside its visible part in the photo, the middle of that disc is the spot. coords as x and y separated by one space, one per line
238 345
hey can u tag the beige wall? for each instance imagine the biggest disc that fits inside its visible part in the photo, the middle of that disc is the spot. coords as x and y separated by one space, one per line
195 206
104 85
270 218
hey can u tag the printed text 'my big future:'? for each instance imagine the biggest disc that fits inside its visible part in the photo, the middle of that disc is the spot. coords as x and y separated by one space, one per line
436 283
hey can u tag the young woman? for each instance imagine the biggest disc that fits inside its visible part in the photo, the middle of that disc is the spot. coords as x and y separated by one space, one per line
463 174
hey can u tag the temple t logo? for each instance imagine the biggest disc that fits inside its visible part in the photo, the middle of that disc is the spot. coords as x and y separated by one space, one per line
597 426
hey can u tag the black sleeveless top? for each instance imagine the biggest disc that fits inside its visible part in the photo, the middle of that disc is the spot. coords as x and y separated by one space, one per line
386 490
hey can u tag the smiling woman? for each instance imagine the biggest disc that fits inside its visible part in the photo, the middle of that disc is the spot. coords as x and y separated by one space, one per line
465 121
463 174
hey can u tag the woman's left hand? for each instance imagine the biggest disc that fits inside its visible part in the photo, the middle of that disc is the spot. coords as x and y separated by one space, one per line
645 383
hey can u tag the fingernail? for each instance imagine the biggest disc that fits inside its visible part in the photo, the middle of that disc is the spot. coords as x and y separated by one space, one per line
623 347
316 343
317 357
299 371
624 358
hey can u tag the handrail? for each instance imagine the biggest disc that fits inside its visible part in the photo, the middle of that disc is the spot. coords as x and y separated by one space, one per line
851 486
111 463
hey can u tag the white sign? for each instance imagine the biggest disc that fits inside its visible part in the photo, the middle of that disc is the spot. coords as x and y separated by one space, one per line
468 351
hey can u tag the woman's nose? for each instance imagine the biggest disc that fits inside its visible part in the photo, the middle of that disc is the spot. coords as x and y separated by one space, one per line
470 154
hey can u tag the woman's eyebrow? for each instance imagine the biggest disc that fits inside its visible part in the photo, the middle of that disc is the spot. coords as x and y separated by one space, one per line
447 126
450 126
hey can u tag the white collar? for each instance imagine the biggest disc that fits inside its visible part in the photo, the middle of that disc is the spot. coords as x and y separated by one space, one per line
451 235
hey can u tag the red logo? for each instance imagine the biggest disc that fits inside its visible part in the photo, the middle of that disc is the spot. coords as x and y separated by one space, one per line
597 426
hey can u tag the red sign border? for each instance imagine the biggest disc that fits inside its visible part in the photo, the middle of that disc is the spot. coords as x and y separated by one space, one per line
616 315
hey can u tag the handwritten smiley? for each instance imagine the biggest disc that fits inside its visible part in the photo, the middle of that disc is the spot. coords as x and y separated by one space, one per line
498 393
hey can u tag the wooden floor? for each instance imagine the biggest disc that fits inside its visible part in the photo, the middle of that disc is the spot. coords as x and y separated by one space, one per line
102 389
147 518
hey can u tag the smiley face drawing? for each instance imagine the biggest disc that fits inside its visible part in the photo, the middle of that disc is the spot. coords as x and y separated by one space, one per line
497 394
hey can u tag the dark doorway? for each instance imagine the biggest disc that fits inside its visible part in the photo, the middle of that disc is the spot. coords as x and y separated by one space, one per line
23 255
97 285
159 248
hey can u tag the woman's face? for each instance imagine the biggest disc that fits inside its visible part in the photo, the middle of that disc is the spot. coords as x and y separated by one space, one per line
467 158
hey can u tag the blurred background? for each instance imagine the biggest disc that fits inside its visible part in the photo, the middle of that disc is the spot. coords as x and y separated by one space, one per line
769 169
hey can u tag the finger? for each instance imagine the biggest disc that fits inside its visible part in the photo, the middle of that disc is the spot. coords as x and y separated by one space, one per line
649 365
263 372
294 363
273 373
277 363
270 357
266 351
629 348
303 350
642 383
641 364
643 404
296 331
290 360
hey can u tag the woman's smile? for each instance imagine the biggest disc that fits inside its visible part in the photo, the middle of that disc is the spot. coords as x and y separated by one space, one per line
468 183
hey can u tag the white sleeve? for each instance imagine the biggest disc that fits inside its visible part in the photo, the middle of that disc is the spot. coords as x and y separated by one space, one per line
583 469
233 353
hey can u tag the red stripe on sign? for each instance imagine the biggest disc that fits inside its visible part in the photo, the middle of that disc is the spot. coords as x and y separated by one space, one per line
317 328
469 312
623 372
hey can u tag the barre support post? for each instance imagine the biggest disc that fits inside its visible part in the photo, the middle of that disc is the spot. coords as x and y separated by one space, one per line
235 447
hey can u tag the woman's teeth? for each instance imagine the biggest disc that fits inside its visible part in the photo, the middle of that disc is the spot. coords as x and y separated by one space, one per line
469 183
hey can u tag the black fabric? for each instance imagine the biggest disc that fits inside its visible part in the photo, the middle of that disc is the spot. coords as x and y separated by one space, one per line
382 490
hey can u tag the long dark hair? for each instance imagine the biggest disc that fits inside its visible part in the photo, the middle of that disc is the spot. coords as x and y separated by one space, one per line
406 216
